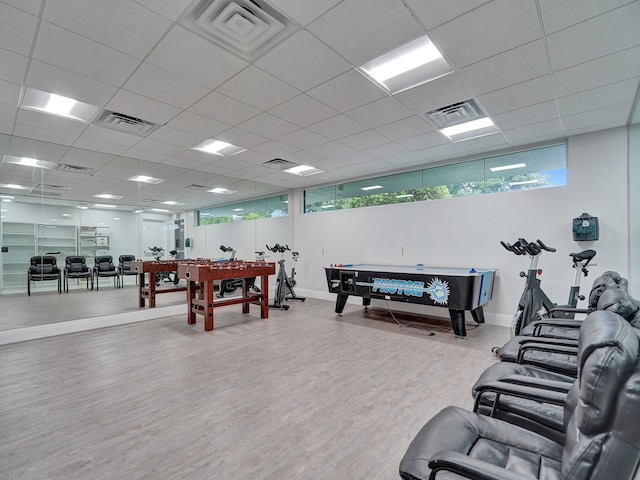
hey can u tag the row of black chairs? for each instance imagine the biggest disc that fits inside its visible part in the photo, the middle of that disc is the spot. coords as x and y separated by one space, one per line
45 268
534 420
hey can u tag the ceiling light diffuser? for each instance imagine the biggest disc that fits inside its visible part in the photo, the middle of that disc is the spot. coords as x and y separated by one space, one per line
145 179
468 130
53 104
222 191
104 205
217 147
27 162
108 196
508 167
161 210
14 186
409 65
304 170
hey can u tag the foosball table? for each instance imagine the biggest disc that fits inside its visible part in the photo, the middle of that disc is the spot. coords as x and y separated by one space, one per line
201 275
147 289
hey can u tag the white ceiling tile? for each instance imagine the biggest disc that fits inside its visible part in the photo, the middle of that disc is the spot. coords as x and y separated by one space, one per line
441 152
68 50
44 135
7 112
305 157
50 122
303 61
138 106
534 132
614 94
181 161
170 9
559 15
304 139
601 71
537 113
304 12
433 13
438 93
270 92
495 27
485 143
380 112
178 137
340 152
347 91
155 146
303 111
205 63
405 128
613 115
253 157
132 29
241 138
274 148
164 87
360 31
14 66
518 96
63 82
224 109
111 136
29 6
9 93
386 150
190 122
268 126
602 35
337 127
426 140
364 140
508 68
373 166
138 153
86 158
408 159
18 28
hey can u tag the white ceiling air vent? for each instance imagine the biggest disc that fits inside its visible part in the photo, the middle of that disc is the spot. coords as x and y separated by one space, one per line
279 164
125 123
247 28
195 186
65 167
455 114
49 190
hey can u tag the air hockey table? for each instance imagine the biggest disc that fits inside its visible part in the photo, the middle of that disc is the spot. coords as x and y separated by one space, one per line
457 289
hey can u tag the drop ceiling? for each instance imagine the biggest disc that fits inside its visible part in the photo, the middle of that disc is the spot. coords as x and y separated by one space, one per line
541 69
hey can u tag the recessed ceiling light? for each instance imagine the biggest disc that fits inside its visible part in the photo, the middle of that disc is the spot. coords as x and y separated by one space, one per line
14 186
468 130
83 207
218 147
7 196
372 187
508 167
304 170
104 205
27 162
108 196
145 179
171 202
409 65
222 191
161 210
45 102
138 211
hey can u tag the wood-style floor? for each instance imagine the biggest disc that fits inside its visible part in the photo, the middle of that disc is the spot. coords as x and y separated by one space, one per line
304 394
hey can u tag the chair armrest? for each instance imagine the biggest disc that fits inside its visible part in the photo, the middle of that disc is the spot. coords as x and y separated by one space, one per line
554 322
521 391
568 310
468 467
570 370
555 385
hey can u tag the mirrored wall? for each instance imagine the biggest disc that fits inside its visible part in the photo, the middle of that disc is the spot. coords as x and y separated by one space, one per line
86 203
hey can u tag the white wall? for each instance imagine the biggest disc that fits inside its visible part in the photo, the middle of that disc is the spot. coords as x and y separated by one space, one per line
634 210
465 232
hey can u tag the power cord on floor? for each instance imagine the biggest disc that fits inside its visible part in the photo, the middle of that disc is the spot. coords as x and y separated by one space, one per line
417 326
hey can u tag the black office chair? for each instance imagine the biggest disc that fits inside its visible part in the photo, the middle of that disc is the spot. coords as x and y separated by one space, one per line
601 418
104 267
76 267
43 268
124 267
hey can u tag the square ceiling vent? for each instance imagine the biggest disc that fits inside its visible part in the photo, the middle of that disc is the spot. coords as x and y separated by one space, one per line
247 28
454 114
125 123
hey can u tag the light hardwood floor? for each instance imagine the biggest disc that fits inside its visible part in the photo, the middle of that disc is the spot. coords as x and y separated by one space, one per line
304 394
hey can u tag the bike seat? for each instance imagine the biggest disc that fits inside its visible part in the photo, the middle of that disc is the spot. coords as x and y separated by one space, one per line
584 255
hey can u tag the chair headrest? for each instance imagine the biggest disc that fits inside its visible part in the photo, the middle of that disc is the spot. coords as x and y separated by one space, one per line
619 301
104 259
126 258
44 259
75 259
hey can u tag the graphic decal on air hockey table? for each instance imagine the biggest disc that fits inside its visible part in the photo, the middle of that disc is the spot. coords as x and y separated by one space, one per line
438 290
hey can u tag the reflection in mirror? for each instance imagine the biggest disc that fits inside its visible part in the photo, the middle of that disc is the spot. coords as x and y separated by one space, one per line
68 201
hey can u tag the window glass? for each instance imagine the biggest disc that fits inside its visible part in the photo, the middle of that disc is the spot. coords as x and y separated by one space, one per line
276 206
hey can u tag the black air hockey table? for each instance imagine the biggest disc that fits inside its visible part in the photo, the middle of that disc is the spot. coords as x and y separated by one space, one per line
456 289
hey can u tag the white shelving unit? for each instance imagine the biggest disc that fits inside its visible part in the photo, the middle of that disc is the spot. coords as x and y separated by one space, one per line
93 241
20 240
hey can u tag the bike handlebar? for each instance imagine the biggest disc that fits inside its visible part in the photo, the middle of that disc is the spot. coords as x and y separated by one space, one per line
226 249
278 248
522 247
156 249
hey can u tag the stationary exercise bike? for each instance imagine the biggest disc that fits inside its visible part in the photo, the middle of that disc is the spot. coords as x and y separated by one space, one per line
534 303
284 282
165 277
230 286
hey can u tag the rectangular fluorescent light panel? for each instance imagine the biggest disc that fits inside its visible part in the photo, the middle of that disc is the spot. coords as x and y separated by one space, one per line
222 191
27 162
217 147
108 196
508 167
373 187
171 202
161 210
53 104
304 170
145 179
409 65
104 205
14 186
